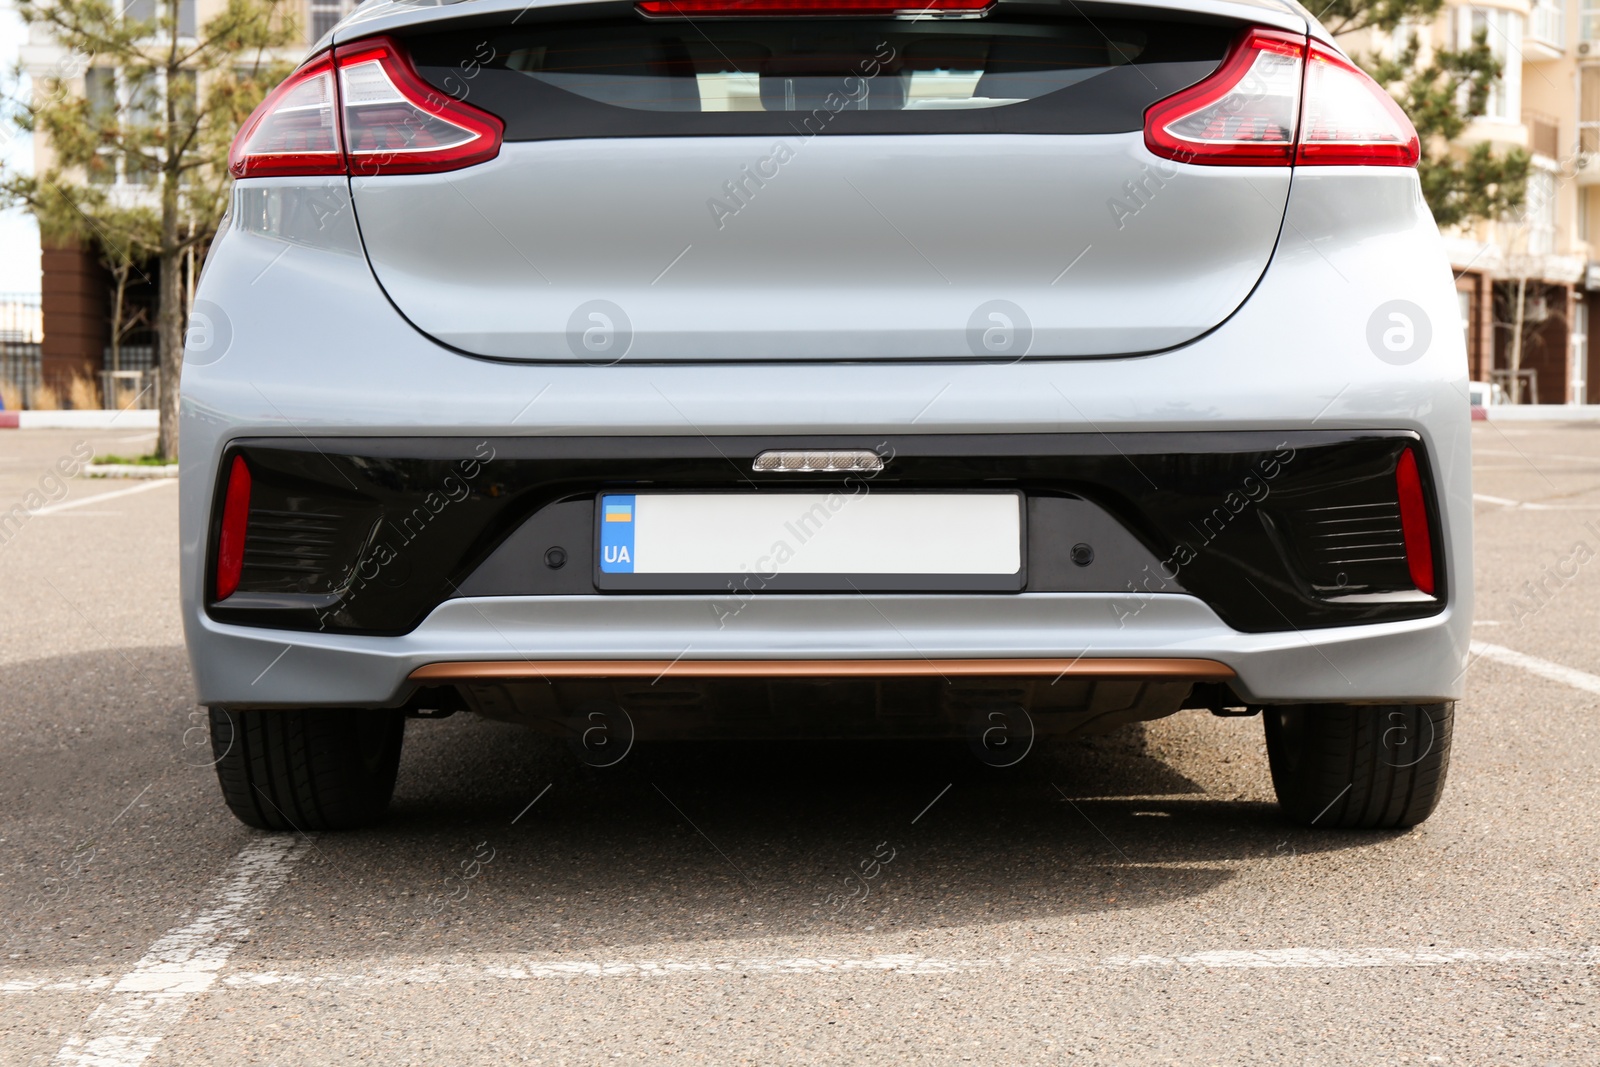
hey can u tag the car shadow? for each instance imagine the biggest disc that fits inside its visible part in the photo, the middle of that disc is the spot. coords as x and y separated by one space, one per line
500 840
513 846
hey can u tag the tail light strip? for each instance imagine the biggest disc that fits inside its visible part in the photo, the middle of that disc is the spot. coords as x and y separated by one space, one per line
750 8
1277 100
389 121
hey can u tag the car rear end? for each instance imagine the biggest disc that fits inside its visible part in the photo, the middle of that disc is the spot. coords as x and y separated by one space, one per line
796 367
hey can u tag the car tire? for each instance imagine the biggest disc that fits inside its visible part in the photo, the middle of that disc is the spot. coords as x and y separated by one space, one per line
307 769
1353 766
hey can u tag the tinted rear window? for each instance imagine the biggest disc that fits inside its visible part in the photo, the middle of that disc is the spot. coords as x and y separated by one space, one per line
1006 73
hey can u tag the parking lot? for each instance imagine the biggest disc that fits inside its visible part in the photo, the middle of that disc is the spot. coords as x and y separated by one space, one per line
1127 899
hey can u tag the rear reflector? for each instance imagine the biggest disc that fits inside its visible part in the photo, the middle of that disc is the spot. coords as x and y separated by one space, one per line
767 8
1414 522
389 121
1276 100
235 521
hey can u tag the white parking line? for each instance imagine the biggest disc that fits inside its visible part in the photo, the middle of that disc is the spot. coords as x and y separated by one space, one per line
1589 683
142 487
1518 505
147 1002
515 970
1287 958
1536 455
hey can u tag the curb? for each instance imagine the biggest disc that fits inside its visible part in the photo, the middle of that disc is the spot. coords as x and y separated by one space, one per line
130 470
1542 412
93 419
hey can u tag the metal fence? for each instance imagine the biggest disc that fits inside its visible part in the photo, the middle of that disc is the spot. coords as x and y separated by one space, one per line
21 332
139 388
21 340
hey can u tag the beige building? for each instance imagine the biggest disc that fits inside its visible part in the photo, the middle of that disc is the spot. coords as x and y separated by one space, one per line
1547 102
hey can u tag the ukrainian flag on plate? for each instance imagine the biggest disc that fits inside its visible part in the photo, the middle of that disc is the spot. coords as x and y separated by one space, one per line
616 535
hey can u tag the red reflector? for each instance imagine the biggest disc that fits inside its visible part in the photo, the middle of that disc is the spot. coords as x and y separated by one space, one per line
737 8
235 517
1414 522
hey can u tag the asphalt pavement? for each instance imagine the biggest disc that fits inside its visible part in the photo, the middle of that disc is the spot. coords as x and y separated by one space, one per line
1130 899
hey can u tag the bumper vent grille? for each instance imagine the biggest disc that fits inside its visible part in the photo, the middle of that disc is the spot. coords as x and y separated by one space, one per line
1350 541
1348 535
294 551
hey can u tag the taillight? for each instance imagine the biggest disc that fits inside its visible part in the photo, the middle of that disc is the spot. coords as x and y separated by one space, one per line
1349 119
235 521
295 130
1414 522
1244 114
396 123
761 8
1276 101
390 121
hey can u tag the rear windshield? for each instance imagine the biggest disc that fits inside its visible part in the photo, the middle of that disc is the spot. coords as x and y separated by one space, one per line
1006 73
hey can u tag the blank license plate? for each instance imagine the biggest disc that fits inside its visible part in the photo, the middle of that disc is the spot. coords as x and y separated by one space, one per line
811 540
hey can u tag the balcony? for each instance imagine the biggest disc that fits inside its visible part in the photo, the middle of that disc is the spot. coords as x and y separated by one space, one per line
1544 134
1546 35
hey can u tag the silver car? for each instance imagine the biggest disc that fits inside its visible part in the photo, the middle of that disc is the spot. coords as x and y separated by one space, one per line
843 368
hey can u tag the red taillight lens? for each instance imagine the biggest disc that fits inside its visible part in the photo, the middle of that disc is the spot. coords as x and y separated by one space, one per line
1414 522
759 8
235 520
1276 100
396 123
362 110
295 130
1350 120
1244 114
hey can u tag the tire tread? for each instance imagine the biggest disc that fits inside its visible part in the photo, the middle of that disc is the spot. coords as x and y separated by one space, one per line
306 769
1332 765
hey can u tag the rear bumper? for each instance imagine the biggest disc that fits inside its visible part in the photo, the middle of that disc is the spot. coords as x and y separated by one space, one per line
1411 661
1294 359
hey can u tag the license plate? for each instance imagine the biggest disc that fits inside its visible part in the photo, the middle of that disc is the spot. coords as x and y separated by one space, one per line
810 541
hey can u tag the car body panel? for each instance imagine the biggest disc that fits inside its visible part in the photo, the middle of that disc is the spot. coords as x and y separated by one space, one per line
918 247
1298 354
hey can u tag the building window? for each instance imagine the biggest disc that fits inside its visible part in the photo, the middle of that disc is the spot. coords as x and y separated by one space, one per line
1541 212
1589 20
1503 32
1545 22
145 10
138 102
325 14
